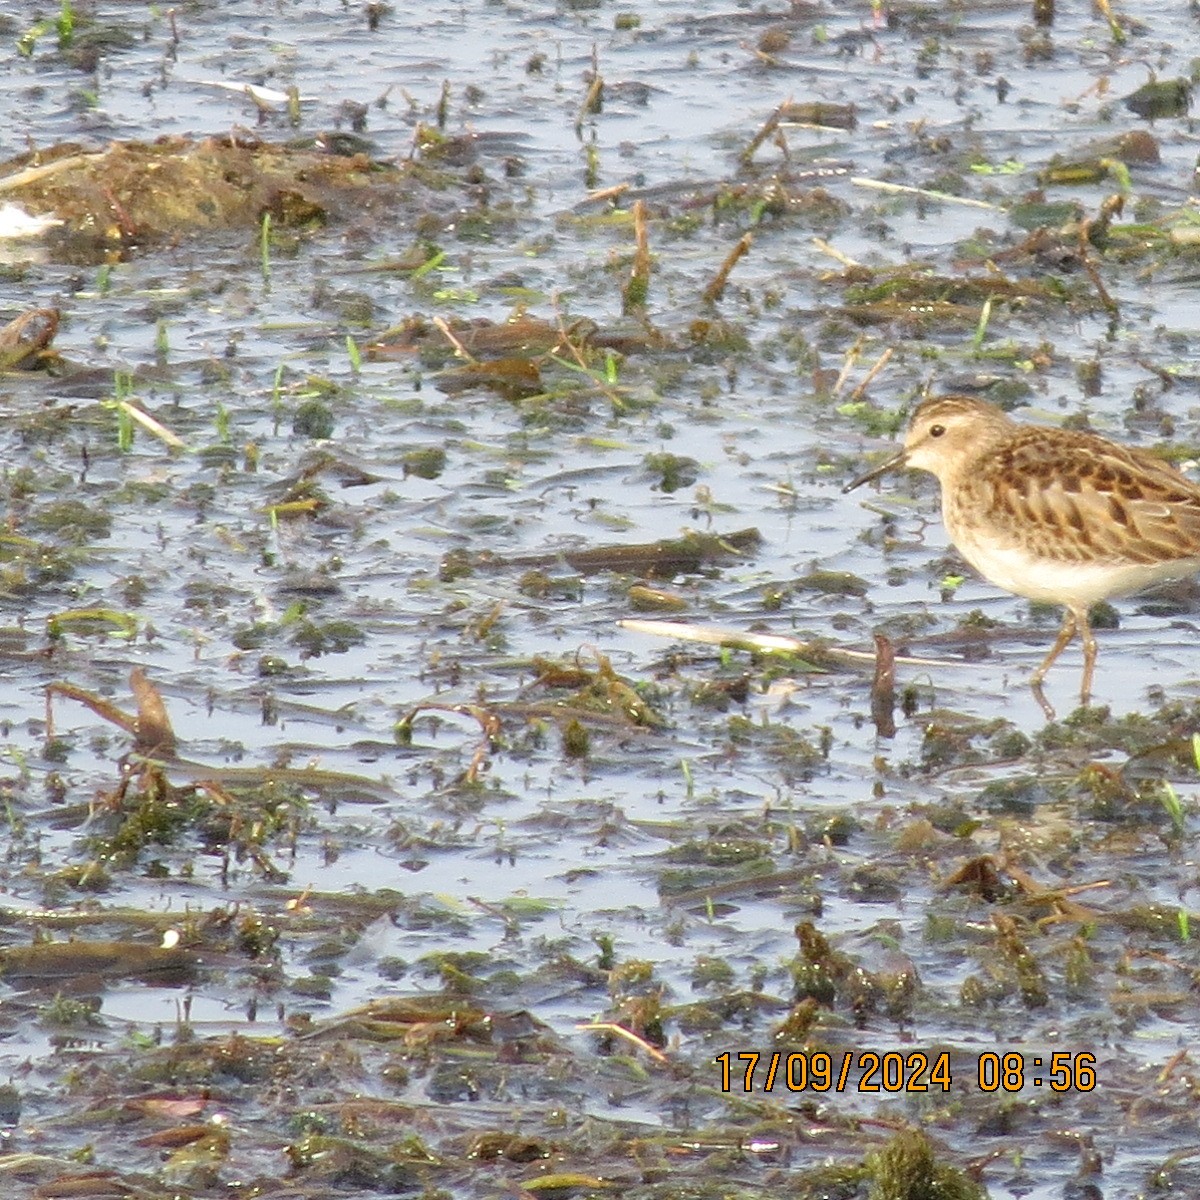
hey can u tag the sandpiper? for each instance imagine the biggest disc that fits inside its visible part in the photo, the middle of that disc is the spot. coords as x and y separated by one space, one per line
1055 515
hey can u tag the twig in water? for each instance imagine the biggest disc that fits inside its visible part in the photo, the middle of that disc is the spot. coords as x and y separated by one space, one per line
883 688
880 185
768 127
637 287
605 194
627 1034
848 361
834 253
716 289
459 349
736 639
880 363
147 422
593 102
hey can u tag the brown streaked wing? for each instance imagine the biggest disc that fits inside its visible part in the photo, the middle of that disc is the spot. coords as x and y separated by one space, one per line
1138 508
1044 520
1081 497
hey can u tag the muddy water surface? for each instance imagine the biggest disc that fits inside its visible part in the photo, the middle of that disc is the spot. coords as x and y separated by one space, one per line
420 768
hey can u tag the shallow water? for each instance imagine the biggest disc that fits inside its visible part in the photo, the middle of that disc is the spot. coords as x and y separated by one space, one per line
593 838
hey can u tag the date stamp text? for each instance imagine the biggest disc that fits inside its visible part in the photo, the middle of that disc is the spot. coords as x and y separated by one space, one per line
903 1071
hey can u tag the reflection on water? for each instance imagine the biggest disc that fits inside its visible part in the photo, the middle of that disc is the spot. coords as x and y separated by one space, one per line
546 856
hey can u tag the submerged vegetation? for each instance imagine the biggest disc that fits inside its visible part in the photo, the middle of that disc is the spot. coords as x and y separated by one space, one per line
359 839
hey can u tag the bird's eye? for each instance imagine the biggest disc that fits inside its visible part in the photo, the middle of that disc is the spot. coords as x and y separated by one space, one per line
936 430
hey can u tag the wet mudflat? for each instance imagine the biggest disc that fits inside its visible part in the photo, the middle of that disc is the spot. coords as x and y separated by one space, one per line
353 848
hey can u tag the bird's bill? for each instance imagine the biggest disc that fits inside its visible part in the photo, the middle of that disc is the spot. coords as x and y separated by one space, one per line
892 464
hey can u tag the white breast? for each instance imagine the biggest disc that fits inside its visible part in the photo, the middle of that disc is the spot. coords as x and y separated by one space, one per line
1055 582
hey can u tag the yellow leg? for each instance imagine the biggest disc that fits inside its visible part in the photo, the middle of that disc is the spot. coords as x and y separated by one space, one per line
1089 655
1065 634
